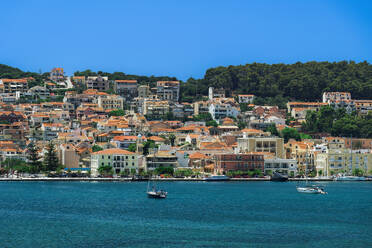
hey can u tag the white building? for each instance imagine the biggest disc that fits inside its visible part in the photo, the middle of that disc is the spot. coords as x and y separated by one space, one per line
221 110
245 98
283 166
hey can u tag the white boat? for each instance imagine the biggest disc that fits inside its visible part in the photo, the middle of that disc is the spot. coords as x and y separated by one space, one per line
350 178
311 190
216 178
155 193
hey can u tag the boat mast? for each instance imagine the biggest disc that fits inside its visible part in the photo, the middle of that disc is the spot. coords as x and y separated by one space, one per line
351 154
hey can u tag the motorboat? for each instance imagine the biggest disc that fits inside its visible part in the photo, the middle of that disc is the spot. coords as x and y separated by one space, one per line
216 178
349 178
277 177
161 194
311 189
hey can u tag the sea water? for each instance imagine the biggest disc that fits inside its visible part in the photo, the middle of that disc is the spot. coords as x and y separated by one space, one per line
195 214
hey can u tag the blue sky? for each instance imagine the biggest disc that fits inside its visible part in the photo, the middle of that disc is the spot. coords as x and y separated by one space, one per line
180 38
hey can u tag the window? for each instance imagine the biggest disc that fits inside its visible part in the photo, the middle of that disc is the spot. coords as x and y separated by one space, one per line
108 157
133 163
103 157
103 164
132 157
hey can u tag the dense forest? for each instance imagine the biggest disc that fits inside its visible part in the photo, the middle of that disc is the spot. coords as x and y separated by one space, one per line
282 82
338 123
12 72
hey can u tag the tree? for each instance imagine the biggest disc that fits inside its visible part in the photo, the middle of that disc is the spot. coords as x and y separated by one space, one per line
212 123
164 170
272 129
33 156
96 148
105 170
50 158
118 112
132 147
172 138
358 172
290 133
150 144
242 124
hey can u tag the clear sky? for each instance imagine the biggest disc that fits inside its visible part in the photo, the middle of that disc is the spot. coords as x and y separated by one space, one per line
180 38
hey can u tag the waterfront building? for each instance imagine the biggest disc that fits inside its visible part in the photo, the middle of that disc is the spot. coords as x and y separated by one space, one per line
344 161
269 144
302 152
121 160
161 159
238 162
283 166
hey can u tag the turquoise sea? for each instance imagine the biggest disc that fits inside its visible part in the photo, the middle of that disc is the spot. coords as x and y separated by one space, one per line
195 214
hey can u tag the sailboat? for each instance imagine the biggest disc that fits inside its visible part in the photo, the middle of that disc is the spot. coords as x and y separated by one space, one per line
310 189
153 192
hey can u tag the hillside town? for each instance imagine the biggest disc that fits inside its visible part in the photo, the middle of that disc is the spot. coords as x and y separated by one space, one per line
97 127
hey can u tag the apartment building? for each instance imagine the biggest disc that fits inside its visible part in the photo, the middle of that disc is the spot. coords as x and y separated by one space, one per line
168 90
155 108
273 145
161 159
57 74
245 98
314 106
220 110
363 106
215 93
110 102
98 83
329 97
14 85
243 162
126 88
345 161
283 166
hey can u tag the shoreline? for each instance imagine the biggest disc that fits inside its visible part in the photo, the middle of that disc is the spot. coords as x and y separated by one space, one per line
82 179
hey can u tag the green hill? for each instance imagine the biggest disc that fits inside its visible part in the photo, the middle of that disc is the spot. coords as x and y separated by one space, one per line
299 81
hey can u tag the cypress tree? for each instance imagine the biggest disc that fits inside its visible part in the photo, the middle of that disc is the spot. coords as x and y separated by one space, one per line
50 158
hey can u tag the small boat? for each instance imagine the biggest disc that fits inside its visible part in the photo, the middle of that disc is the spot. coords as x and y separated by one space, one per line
155 193
311 189
216 178
277 177
160 194
349 178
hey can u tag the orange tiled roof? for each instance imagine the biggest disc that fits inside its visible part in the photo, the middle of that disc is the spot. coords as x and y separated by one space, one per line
126 81
113 151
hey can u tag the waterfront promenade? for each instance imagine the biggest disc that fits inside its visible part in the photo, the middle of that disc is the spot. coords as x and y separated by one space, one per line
100 179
